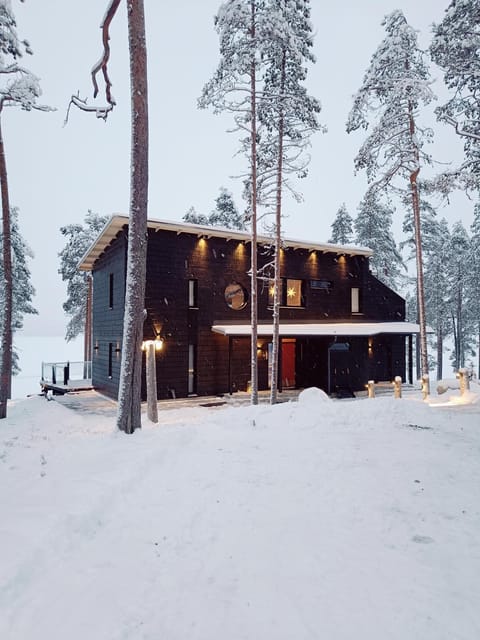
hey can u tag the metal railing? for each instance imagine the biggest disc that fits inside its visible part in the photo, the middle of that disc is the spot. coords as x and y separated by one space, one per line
62 373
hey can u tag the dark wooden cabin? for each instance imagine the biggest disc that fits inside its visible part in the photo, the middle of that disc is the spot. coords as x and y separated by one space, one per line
339 325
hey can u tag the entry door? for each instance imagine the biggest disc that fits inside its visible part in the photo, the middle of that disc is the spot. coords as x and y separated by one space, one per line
288 363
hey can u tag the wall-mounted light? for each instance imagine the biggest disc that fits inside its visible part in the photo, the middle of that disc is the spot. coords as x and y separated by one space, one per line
262 352
370 346
157 343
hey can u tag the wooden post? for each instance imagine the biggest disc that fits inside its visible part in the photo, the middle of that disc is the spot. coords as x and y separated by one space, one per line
152 409
230 350
425 386
371 388
410 359
397 387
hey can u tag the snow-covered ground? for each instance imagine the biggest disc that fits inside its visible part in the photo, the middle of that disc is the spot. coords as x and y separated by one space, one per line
317 519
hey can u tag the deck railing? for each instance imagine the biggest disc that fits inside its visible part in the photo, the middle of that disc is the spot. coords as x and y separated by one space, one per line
62 373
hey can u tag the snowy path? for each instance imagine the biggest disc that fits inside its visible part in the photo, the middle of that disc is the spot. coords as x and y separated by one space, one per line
347 520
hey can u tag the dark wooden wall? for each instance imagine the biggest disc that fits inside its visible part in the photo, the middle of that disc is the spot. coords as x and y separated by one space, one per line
108 322
174 259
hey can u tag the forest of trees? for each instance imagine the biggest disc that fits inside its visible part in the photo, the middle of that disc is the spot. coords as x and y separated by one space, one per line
265 50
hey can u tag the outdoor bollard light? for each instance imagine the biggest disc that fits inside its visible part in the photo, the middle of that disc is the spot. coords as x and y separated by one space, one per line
151 374
371 388
462 376
425 386
397 387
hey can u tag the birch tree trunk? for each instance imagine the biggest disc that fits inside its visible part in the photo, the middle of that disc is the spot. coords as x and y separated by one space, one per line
253 248
6 337
439 352
278 241
418 248
129 398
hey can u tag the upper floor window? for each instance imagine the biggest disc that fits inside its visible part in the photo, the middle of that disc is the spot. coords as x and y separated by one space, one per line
235 296
291 293
110 291
355 300
322 285
293 296
193 294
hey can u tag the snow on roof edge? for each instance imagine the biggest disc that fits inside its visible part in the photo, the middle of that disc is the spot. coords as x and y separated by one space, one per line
117 221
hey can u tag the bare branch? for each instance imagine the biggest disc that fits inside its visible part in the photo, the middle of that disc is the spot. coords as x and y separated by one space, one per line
103 62
100 112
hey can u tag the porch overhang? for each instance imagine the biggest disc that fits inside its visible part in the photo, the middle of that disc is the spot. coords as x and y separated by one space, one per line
321 329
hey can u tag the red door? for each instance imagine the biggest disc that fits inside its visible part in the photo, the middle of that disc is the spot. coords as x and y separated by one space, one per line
288 363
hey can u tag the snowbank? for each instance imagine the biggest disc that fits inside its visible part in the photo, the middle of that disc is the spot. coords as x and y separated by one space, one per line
316 519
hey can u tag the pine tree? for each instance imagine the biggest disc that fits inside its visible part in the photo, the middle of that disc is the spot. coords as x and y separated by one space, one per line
18 88
79 238
373 229
288 115
342 227
458 295
129 392
23 290
226 213
394 87
455 48
193 217
437 244
242 27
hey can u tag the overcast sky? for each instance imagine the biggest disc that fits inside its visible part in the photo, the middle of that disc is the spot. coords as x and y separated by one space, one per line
57 173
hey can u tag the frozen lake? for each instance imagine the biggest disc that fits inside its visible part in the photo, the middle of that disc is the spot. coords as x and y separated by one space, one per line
32 351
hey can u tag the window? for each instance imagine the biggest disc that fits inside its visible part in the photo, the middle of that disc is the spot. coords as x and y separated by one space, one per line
193 294
192 369
110 359
291 294
355 299
110 291
322 285
235 296
294 293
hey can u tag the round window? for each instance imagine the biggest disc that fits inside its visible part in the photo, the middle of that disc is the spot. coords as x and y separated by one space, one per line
235 296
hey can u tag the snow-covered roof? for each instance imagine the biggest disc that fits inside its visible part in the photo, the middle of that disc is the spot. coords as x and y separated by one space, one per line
118 221
321 329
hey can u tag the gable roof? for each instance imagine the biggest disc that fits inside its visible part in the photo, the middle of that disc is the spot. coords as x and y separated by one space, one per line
117 221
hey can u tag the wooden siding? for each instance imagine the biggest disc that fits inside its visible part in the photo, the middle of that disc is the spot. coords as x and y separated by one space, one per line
107 322
175 258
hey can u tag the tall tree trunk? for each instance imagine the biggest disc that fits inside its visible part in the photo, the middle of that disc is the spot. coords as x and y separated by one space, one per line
478 351
278 240
253 248
6 337
461 345
455 341
129 398
439 351
418 248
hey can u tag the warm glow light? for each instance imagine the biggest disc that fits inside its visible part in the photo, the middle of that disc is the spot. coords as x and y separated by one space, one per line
291 292
202 244
158 343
